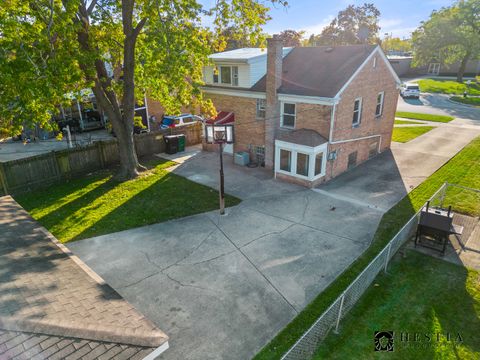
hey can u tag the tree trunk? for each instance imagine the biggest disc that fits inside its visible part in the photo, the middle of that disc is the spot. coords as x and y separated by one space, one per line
463 65
121 117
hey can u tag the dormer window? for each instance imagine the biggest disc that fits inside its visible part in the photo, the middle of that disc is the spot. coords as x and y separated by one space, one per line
226 75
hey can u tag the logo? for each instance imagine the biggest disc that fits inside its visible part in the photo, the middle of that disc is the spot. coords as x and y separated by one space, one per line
383 340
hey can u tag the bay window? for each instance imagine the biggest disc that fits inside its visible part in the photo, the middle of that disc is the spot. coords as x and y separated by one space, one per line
301 161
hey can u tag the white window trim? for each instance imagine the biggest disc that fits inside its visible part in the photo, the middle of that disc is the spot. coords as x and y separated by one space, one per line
382 93
374 62
357 124
232 76
294 149
282 113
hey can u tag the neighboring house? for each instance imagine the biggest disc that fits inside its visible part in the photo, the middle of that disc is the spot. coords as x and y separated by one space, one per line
402 64
308 113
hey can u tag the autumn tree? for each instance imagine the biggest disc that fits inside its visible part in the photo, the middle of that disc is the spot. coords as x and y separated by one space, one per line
50 48
291 37
353 25
396 44
450 35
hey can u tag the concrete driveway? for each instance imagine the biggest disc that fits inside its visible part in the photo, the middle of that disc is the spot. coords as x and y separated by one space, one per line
223 286
440 104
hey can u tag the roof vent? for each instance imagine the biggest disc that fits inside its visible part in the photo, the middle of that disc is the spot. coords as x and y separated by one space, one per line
329 49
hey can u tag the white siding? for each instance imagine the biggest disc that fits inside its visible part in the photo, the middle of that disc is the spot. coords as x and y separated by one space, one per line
243 75
258 69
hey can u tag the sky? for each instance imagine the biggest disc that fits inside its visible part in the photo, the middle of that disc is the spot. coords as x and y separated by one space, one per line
398 17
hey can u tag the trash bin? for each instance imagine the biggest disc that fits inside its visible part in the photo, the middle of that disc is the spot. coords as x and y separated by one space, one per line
171 144
181 142
242 158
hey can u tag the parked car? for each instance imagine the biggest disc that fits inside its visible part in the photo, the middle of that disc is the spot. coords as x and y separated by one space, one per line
410 90
180 120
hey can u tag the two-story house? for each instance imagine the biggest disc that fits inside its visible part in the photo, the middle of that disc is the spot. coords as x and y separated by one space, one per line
307 113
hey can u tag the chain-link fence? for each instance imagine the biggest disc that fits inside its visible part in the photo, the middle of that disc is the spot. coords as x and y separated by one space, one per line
330 319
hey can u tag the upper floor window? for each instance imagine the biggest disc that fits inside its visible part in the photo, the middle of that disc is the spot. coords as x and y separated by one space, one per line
357 112
288 115
226 75
261 104
379 107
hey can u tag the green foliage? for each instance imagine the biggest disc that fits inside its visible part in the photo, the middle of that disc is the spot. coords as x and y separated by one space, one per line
353 25
106 206
475 101
405 134
451 34
52 48
419 294
426 117
448 87
396 44
463 169
138 122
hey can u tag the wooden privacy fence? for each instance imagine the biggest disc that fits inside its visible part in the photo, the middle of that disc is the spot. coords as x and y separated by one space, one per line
26 174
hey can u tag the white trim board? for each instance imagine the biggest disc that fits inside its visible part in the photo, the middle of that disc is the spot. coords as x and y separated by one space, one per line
379 51
234 92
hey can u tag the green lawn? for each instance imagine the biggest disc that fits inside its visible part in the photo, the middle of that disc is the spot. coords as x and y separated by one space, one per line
426 117
463 169
97 204
406 122
469 100
405 134
447 87
420 294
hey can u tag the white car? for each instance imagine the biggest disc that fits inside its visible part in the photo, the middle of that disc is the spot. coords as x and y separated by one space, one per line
410 90
180 120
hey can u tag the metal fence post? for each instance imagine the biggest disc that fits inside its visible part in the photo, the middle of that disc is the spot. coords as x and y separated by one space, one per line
388 255
443 194
339 314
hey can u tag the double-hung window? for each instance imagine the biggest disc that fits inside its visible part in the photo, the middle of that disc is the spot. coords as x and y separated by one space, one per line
288 115
261 106
357 112
379 107
226 75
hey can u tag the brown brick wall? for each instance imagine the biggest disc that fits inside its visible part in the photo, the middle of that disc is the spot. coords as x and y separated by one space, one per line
314 117
249 131
367 84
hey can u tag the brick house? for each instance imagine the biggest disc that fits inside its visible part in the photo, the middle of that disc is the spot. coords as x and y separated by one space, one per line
307 113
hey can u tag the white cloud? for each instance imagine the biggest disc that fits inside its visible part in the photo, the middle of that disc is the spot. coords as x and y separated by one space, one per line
389 23
317 28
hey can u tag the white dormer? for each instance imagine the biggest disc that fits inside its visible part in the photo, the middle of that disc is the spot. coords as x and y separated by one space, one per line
238 68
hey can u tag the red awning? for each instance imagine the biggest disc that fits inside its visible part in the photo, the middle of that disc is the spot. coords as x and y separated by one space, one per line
223 117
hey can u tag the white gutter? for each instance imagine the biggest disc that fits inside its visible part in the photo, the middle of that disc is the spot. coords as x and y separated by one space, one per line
157 352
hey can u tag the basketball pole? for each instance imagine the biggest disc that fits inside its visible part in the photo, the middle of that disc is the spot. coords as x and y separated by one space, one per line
222 188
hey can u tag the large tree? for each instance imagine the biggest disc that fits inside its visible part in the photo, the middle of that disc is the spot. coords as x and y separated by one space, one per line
353 25
450 35
291 37
118 48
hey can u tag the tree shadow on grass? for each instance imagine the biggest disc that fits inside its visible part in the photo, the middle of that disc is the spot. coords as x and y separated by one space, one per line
170 197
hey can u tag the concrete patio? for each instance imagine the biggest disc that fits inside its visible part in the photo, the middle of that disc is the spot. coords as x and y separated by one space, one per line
223 286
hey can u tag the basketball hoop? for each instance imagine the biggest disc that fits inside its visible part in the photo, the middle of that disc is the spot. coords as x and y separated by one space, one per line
219 134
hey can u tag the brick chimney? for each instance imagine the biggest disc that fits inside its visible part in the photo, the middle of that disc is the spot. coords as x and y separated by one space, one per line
274 81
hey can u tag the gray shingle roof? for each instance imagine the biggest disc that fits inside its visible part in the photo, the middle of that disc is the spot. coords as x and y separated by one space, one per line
47 293
319 71
305 137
